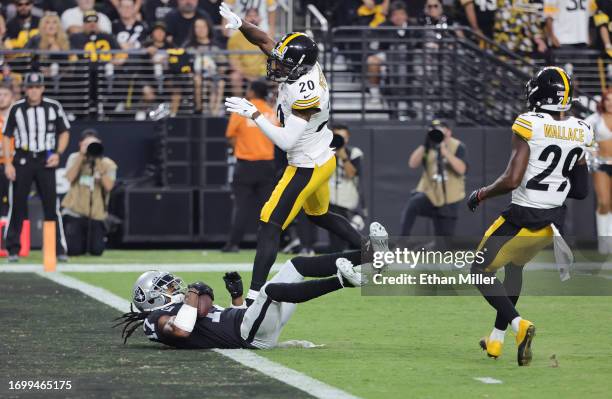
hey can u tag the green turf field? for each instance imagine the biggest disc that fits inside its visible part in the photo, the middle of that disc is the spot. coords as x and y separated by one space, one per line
53 333
427 347
158 256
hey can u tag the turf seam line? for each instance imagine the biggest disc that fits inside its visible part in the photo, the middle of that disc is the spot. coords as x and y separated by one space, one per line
134 267
245 357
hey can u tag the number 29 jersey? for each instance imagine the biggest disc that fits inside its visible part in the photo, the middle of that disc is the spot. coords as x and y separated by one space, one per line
310 91
555 147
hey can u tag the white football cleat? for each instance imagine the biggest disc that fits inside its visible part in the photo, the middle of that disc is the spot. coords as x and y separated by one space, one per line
347 275
379 240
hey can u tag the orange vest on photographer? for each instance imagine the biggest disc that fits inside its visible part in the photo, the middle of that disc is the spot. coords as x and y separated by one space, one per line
431 184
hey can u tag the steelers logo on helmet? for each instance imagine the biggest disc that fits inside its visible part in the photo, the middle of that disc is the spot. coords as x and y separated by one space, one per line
292 57
550 90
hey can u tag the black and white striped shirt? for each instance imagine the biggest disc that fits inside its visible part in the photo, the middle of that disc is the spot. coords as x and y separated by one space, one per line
35 128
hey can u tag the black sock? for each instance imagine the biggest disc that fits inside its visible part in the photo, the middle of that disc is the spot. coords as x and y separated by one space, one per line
340 226
302 291
513 283
323 265
496 295
268 243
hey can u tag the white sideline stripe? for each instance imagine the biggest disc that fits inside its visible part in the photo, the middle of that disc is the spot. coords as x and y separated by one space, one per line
222 267
134 267
488 380
245 357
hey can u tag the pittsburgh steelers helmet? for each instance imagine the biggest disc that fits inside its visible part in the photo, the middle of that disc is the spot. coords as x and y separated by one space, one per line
155 289
292 57
550 89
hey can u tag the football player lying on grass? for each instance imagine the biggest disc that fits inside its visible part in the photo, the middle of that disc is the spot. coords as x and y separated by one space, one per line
189 319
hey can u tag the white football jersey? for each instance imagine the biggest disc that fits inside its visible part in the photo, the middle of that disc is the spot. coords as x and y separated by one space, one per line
309 91
555 147
570 19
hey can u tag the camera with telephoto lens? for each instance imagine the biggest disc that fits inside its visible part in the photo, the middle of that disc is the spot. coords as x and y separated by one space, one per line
435 134
95 149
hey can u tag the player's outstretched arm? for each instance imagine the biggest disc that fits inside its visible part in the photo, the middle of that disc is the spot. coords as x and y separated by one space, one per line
252 33
284 137
510 179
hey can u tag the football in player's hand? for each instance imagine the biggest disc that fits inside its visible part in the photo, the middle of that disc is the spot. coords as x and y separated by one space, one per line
205 303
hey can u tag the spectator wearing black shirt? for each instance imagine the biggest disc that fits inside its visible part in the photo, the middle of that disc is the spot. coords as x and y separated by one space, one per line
111 8
434 17
398 18
23 26
128 31
179 21
156 10
57 6
96 44
207 67
479 15
212 8
603 22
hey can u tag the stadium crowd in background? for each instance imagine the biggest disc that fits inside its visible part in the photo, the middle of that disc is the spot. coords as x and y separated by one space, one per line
536 30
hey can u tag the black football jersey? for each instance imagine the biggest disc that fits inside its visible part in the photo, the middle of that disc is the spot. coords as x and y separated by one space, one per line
95 45
219 329
133 35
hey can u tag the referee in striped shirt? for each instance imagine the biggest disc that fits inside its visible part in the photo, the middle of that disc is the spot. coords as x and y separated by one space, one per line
40 128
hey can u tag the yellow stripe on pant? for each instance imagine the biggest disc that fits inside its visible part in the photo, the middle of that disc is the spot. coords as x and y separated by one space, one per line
518 248
313 197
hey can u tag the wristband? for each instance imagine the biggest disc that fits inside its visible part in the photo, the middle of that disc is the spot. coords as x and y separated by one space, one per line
186 318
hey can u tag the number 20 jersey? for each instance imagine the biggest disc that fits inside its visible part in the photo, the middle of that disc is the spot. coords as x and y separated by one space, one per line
310 91
556 146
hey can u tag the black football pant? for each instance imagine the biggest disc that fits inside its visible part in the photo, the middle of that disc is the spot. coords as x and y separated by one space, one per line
4 193
444 217
84 235
319 267
252 185
30 167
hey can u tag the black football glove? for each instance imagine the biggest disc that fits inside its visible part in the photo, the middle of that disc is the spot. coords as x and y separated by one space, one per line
233 283
202 289
473 200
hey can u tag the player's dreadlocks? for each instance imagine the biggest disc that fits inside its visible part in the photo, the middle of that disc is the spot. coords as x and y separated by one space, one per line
131 320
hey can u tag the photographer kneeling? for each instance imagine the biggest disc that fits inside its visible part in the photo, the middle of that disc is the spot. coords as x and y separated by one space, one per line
442 184
91 177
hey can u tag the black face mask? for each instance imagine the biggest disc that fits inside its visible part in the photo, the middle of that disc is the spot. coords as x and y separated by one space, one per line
276 71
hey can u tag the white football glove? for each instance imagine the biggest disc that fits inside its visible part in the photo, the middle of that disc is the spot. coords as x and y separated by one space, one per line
233 20
240 106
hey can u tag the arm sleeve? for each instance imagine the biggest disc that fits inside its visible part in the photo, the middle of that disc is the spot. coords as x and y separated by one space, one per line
284 137
523 128
600 18
579 182
62 124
